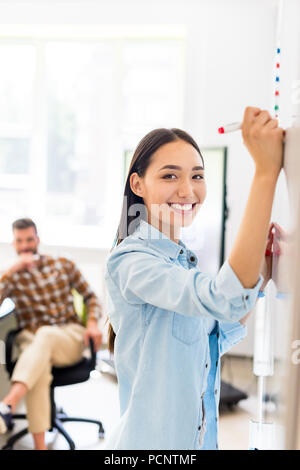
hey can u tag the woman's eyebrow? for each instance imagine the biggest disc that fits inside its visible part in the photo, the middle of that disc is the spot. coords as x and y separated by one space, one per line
176 167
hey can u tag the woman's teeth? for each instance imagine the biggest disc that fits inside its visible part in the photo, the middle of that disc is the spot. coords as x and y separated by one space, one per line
182 207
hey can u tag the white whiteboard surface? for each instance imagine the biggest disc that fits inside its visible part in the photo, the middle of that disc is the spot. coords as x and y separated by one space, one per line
285 299
283 382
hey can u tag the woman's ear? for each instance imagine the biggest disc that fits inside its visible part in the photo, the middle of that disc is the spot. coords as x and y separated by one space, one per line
135 184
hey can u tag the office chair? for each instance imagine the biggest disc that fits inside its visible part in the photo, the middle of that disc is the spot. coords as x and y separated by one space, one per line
69 375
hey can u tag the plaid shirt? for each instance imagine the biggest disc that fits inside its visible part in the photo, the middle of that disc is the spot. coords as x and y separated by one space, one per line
43 295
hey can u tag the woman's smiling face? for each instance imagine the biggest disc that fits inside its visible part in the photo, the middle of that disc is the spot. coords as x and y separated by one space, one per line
173 186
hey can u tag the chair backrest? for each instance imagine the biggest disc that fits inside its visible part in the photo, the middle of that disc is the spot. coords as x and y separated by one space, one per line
9 342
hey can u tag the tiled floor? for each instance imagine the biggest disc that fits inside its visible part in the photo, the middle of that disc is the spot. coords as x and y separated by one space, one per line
98 398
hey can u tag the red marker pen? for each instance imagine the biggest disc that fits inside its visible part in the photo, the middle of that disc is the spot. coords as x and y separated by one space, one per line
234 126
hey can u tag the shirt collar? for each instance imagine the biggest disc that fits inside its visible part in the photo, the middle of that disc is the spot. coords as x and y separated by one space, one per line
158 240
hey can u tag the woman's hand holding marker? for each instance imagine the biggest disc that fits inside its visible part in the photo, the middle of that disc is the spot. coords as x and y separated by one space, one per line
257 127
263 138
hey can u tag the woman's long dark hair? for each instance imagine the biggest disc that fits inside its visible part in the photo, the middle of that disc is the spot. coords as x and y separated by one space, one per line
140 161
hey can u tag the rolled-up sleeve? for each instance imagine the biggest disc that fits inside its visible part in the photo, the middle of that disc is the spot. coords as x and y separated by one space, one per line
143 277
231 334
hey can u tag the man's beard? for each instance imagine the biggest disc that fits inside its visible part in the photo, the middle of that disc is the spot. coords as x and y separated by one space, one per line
33 251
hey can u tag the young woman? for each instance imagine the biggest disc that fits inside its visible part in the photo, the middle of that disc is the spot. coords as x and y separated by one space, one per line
170 321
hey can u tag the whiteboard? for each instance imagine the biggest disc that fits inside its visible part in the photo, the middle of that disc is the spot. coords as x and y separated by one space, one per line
284 295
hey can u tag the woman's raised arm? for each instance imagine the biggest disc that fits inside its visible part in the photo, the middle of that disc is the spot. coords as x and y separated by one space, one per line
264 140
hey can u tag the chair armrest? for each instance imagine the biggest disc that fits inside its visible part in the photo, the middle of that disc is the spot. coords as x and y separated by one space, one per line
9 341
93 353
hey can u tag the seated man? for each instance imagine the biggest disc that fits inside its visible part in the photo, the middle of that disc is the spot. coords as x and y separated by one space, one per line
52 334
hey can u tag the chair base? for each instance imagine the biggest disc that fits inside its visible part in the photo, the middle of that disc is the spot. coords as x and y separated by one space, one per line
57 423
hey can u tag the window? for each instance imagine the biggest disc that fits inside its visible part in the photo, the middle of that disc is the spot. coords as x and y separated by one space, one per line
16 126
69 109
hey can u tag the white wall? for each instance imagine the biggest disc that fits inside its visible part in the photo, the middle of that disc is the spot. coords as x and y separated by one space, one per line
229 65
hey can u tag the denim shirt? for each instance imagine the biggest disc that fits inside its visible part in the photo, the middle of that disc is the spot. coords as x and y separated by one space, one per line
167 357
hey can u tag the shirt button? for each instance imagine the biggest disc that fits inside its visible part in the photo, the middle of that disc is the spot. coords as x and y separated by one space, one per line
181 252
206 365
216 391
247 297
192 259
199 427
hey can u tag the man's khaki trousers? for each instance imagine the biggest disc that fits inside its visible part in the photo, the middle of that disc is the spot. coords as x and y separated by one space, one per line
53 345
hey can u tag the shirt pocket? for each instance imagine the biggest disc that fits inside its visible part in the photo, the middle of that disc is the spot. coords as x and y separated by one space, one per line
186 329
